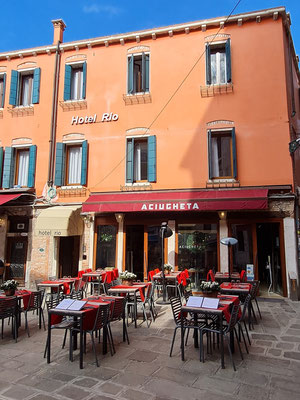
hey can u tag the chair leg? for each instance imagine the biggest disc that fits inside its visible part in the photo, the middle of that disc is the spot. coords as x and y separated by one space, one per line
246 329
241 332
258 309
230 354
26 324
239 346
64 341
173 340
46 347
94 348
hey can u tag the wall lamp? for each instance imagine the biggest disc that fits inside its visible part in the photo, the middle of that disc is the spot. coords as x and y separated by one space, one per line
2 221
119 217
87 219
222 214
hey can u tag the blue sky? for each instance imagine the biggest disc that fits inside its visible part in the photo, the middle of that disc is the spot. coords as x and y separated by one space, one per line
27 23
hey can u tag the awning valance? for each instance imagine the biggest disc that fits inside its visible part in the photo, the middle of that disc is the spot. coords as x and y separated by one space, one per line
206 200
5 198
59 221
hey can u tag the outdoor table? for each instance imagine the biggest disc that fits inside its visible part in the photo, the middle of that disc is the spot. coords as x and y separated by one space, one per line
64 284
240 289
170 278
222 311
94 277
225 277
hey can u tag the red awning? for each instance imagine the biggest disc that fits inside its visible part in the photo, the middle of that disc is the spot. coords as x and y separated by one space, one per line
206 200
4 198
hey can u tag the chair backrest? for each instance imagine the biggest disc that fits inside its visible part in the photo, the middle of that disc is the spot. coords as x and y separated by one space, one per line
243 276
176 308
101 317
245 307
233 318
53 301
254 289
8 306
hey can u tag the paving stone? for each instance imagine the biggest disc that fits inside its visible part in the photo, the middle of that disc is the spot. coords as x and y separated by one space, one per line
18 392
86 382
265 343
144 355
290 339
285 345
282 395
110 388
131 394
218 385
143 368
101 398
253 392
4 385
163 388
275 352
292 354
176 375
43 397
295 332
295 326
130 379
283 383
62 377
262 336
73 392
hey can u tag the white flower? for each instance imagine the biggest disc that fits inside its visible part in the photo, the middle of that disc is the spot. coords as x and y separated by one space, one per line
126 275
209 286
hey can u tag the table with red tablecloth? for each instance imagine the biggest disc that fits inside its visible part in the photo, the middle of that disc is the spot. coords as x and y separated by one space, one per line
239 289
64 284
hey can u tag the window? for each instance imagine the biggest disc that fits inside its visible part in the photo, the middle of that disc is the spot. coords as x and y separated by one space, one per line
218 63
141 159
138 73
71 164
2 89
106 246
25 87
75 82
19 167
222 154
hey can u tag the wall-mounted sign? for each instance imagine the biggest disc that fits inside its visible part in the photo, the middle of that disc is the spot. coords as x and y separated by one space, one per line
91 119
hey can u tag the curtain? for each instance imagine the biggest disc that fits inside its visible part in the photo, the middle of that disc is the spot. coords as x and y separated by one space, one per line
76 84
215 157
22 179
74 165
26 90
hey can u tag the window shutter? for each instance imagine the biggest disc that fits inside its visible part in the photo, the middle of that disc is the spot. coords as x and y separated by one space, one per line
67 86
36 86
234 153
13 95
208 65
84 80
84 162
59 179
228 61
8 168
3 96
146 73
130 74
209 156
152 159
1 162
31 166
129 160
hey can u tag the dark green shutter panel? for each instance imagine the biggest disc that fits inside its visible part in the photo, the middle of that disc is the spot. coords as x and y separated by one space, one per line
1 162
8 167
152 159
31 166
146 74
84 153
36 86
67 86
3 94
210 173
13 95
130 74
234 167
59 179
129 160
84 80
208 65
228 61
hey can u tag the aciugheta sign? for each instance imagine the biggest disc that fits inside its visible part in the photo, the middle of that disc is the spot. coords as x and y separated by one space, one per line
170 206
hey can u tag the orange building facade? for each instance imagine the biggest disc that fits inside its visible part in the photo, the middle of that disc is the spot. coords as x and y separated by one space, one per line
104 139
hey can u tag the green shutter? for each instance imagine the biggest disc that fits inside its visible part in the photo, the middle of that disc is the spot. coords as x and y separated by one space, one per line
210 175
36 86
13 95
1 163
84 155
152 159
208 65
31 166
59 179
67 86
146 74
234 153
129 160
84 80
228 61
8 167
3 94
130 74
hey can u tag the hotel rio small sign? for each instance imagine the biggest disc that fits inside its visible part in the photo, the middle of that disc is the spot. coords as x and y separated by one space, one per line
91 119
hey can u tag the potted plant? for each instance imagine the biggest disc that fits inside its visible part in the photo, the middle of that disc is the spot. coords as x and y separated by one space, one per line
9 287
127 277
168 268
209 288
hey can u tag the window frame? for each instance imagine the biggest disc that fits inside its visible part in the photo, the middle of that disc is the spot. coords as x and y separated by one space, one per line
145 76
18 150
227 50
68 82
21 84
2 95
67 156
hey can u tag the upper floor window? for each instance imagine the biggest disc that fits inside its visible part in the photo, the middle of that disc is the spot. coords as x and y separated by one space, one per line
22 163
218 63
71 164
138 73
2 89
25 87
75 81
222 154
141 159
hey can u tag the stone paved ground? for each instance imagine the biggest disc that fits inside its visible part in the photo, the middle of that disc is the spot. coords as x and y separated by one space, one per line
143 370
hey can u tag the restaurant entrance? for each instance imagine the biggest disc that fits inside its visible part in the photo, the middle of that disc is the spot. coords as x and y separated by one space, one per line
68 255
134 261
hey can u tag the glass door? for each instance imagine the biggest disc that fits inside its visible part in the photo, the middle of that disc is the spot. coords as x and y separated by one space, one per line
134 260
154 248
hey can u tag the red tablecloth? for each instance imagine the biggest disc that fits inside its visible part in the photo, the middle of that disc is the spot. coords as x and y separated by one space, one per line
65 284
25 294
230 285
225 303
140 287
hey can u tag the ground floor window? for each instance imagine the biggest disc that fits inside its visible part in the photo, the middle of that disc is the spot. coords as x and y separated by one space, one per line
106 246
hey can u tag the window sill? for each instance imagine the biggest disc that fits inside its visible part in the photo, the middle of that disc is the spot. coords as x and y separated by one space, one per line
20 111
137 98
71 191
1 113
222 183
71 105
212 90
131 187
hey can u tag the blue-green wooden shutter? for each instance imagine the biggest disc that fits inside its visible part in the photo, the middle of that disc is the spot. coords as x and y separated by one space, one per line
67 85
208 65
36 86
234 167
84 153
129 160
3 94
152 159
31 166
130 74
210 174
146 73
228 61
59 179
84 80
8 168
13 95
1 163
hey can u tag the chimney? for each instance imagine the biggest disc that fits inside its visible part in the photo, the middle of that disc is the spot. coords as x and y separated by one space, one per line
59 27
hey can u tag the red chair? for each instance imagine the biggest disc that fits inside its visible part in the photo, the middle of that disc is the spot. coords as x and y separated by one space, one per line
210 276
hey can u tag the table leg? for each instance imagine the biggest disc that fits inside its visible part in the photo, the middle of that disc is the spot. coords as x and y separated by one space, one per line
49 338
105 335
135 311
196 343
124 325
39 310
182 337
81 344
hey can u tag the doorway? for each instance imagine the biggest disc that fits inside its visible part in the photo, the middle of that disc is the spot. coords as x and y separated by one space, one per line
69 256
135 250
16 258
